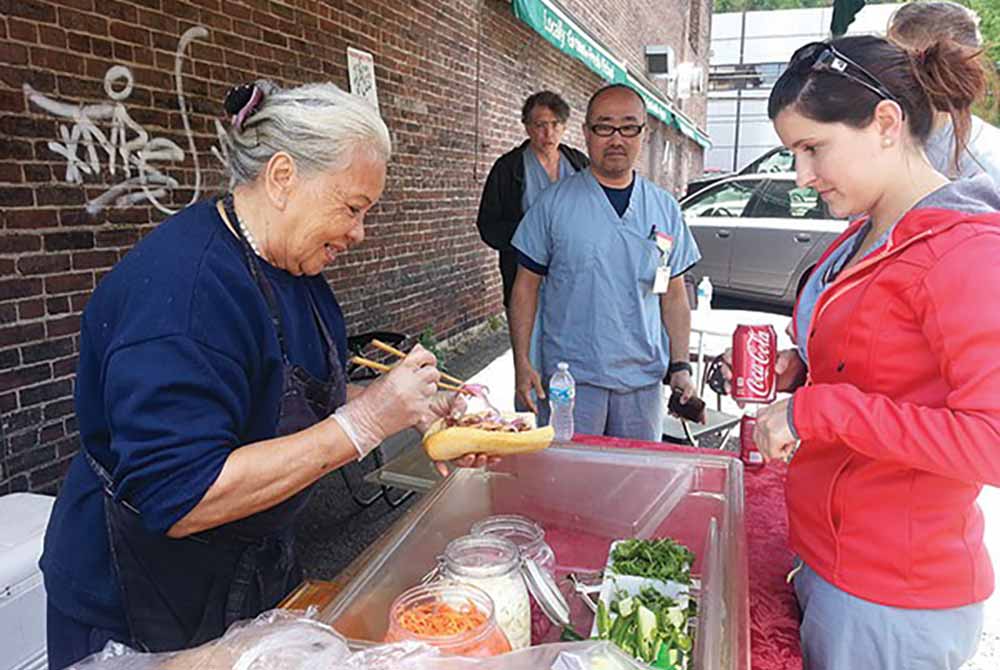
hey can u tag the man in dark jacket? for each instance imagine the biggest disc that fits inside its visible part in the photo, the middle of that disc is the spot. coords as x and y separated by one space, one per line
520 175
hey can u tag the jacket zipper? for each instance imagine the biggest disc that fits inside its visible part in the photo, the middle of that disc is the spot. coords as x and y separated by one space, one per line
822 259
846 286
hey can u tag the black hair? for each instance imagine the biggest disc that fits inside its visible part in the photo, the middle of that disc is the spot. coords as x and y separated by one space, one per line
553 101
946 76
612 87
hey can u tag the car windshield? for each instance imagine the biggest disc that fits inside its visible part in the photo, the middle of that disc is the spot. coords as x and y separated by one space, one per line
782 199
729 199
779 161
806 203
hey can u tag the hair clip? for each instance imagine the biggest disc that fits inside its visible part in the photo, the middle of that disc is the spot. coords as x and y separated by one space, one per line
242 102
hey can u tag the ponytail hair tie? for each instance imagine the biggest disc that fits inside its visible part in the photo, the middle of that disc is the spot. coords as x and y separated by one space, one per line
242 102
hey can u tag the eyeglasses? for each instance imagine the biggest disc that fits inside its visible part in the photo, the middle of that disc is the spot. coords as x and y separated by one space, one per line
542 125
823 57
606 130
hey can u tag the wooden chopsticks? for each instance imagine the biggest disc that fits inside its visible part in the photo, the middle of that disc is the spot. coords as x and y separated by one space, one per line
456 386
389 349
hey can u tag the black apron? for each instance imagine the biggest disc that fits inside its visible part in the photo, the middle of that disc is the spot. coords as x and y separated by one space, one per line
179 593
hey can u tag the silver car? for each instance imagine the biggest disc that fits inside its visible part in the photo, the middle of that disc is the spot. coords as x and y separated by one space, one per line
760 235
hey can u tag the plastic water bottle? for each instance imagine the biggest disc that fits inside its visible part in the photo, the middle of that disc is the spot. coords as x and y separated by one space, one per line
704 294
562 396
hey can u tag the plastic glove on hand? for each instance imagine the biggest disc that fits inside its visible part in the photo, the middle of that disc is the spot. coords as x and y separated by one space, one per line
397 400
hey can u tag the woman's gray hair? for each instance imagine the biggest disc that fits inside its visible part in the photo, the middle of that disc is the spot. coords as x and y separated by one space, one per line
319 125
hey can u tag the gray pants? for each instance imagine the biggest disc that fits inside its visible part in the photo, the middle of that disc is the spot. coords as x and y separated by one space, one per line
843 632
636 415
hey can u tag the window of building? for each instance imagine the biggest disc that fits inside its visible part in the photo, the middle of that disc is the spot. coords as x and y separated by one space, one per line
745 76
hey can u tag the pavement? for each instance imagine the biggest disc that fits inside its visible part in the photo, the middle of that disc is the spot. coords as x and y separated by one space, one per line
334 529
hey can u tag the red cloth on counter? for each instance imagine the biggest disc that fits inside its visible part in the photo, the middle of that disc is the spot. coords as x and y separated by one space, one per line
774 613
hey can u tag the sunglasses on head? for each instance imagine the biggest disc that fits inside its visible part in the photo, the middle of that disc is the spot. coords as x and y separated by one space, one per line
823 57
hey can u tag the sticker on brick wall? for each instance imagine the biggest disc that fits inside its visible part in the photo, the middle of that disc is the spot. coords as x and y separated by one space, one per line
105 135
361 72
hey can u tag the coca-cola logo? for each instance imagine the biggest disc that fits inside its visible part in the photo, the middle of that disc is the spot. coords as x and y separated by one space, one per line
759 351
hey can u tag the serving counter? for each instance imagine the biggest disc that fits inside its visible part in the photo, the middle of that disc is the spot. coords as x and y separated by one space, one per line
585 497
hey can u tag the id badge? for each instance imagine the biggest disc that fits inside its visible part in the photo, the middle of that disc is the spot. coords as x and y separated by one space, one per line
665 243
662 280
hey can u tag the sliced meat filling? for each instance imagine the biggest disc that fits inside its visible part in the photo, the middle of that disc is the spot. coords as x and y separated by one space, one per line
489 421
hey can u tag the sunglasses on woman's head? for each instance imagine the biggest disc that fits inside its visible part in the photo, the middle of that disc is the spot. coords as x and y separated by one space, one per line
823 57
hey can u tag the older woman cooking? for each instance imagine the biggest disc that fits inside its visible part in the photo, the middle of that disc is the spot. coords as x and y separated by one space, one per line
211 392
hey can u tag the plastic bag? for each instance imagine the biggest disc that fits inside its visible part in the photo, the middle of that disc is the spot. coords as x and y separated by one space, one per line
284 640
275 640
588 655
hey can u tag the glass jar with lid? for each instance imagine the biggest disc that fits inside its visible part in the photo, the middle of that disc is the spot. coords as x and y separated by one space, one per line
523 532
530 540
493 564
457 619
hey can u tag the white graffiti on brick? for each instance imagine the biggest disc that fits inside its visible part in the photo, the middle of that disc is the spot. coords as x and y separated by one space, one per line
127 147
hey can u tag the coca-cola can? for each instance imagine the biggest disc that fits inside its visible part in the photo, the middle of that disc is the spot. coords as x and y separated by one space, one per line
749 454
755 350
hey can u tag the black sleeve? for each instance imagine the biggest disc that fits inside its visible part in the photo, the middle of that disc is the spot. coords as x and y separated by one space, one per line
495 230
577 158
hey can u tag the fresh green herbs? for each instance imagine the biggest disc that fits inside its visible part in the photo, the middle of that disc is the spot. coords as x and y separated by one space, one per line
649 626
569 634
663 559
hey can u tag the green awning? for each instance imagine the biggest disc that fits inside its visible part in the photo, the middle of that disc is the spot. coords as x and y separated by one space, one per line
689 129
658 107
562 32
655 104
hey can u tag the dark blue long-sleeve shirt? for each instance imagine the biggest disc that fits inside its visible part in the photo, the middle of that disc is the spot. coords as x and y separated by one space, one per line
179 365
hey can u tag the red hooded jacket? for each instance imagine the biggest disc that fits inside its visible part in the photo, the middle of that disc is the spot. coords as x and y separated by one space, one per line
900 417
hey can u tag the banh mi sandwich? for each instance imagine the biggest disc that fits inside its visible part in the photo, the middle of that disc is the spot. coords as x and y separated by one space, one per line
487 432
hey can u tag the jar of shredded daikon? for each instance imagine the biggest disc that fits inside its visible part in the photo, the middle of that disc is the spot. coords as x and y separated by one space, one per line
494 565
530 540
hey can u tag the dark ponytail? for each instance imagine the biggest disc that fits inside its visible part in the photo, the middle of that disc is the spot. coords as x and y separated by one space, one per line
953 78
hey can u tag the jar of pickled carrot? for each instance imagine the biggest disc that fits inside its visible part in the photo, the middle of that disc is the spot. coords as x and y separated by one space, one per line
456 618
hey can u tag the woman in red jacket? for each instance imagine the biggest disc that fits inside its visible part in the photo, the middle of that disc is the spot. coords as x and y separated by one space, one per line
895 423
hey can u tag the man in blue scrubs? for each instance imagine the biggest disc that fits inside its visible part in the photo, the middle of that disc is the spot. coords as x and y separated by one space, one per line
612 248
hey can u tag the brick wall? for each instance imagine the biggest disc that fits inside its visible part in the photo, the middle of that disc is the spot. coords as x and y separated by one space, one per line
77 76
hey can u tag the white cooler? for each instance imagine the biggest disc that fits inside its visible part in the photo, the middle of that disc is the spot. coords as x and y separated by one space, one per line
23 517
